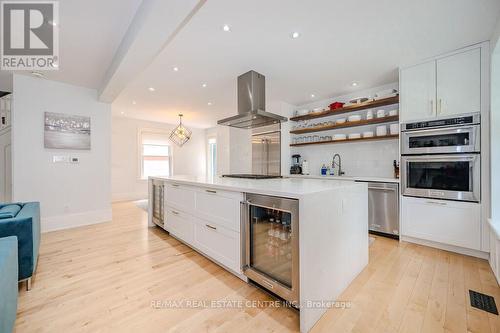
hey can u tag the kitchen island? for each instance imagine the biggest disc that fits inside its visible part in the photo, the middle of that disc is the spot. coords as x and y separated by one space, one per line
328 246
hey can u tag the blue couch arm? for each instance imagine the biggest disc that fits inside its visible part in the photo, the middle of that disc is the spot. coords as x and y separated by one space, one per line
26 226
8 283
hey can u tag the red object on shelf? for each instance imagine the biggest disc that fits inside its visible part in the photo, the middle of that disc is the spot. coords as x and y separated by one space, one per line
336 105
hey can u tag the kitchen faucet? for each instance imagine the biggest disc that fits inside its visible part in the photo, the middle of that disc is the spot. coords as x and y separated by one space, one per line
339 164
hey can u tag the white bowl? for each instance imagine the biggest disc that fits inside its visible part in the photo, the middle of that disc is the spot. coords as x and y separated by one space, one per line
356 117
338 137
340 121
354 136
380 113
394 129
393 113
317 109
368 134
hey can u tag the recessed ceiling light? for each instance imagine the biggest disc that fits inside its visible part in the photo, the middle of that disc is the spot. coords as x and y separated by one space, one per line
209 103
122 112
204 85
295 35
354 84
134 102
312 95
226 28
176 69
151 89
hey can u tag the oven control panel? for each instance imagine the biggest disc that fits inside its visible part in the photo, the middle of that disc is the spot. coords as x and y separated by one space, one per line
466 120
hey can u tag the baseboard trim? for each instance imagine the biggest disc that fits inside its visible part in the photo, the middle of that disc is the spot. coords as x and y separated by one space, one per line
446 247
61 222
119 197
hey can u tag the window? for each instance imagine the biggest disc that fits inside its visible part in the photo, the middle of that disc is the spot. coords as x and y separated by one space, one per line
212 157
156 156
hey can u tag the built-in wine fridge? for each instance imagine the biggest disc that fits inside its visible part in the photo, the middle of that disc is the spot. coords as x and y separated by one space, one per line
271 246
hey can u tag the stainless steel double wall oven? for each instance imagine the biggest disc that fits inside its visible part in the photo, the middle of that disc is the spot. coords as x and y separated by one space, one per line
441 159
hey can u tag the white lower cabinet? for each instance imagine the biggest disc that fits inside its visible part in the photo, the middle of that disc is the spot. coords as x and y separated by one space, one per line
219 243
179 224
206 219
180 196
447 222
220 206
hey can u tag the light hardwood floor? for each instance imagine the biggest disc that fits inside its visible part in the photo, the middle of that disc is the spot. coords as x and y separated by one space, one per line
103 278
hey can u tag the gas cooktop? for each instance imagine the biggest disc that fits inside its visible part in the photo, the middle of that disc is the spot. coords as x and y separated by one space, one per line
250 176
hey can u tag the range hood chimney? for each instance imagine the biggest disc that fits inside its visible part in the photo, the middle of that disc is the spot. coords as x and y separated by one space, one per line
252 104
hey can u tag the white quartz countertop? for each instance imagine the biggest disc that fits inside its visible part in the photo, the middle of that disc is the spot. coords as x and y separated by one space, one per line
285 187
351 178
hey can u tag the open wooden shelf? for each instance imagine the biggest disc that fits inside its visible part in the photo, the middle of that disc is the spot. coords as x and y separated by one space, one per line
349 108
375 138
346 125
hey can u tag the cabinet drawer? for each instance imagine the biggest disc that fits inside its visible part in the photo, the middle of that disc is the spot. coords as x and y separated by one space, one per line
220 207
179 224
219 243
447 222
182 197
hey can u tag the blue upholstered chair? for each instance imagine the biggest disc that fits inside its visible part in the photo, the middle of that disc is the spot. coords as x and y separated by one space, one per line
23 222
8 283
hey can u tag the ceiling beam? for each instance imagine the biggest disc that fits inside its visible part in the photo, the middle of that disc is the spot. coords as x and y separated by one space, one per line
154 26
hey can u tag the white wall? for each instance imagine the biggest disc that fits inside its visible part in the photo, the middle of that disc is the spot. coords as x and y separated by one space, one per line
126 184
495 132
372 158
221 133
5 165
70 194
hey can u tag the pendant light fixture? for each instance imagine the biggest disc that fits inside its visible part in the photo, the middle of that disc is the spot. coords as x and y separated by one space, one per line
180 135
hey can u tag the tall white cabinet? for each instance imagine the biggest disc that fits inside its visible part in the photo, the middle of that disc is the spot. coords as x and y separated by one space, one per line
448 85
418 91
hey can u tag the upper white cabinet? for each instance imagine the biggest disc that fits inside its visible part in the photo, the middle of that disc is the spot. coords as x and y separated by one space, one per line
459 83
449 85
418 91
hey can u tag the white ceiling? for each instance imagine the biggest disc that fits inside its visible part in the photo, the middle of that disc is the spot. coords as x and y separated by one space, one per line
89 34
341 41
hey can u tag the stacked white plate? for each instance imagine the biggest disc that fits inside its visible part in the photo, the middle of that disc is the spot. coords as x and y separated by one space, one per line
337 137
381 130
394 129
354 136
340 121
368 134
386 94
353 118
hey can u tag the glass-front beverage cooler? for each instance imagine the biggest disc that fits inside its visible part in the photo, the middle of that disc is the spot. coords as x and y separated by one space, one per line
271 246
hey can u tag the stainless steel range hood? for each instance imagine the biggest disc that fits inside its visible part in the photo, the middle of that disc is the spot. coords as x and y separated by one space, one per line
252 104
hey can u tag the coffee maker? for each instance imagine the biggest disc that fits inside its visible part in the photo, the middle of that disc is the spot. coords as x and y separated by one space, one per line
296 168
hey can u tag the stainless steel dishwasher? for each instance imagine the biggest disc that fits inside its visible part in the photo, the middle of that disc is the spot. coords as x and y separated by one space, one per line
383 209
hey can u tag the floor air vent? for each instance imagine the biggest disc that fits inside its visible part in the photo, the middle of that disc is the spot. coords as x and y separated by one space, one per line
483 302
